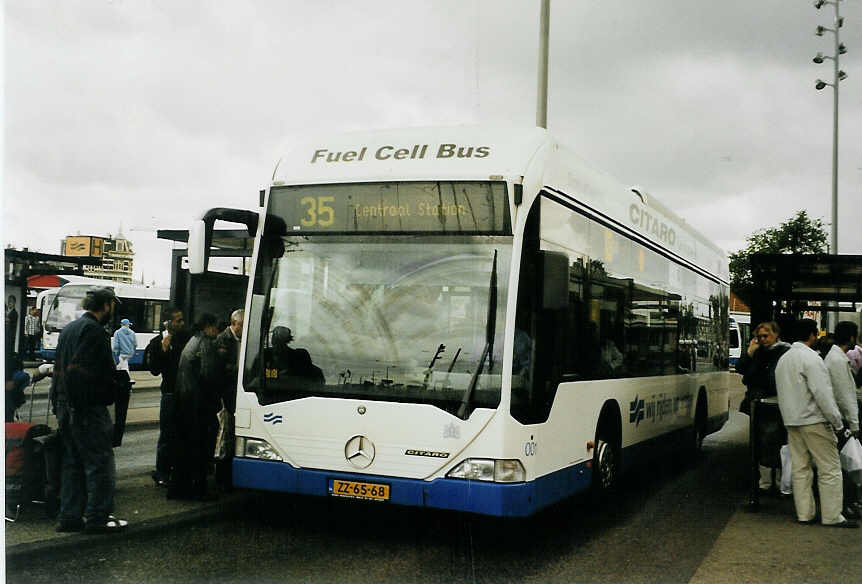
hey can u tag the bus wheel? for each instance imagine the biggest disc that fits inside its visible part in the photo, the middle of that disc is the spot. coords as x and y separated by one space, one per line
606 467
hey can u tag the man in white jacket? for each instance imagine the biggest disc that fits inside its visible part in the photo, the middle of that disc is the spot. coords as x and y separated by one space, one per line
808 407
844 386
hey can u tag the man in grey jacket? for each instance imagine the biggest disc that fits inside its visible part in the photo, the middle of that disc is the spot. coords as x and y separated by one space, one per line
808 408
844 386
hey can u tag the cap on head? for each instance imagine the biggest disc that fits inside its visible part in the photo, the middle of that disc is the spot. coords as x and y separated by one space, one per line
125 322
97 298
281 336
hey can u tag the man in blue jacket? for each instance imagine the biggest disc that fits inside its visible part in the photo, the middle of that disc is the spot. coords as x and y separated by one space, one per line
125 344
83 387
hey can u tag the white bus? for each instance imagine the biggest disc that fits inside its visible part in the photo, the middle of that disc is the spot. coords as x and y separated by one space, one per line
470 319
141 304
739 335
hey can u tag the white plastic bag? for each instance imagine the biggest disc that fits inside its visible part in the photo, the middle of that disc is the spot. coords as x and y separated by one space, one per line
851 455
786 486
221 438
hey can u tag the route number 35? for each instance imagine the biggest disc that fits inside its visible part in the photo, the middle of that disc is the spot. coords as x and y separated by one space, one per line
318 212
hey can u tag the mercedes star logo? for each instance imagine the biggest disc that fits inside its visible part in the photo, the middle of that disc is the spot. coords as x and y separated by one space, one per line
359 451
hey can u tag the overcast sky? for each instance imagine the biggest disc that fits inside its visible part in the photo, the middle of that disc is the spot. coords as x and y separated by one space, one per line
144 113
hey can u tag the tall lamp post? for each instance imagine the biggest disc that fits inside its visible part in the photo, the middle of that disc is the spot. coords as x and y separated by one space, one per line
839 76
542 93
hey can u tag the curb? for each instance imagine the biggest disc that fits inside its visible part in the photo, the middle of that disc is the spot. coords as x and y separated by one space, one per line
142 425
25 551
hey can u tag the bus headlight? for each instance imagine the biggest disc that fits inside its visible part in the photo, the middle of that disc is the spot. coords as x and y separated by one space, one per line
254 448
486 469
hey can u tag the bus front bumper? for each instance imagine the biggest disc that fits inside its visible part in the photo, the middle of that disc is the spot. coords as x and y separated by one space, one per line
484 498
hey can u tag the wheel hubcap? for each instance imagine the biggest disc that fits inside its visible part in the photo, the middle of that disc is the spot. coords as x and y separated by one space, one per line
607 464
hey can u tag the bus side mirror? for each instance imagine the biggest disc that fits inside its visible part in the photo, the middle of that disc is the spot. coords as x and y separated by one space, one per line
554 268
201 233
198 249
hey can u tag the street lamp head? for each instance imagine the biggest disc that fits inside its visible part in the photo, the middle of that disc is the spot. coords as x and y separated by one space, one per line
819 84
818 58
818 4
842 76
819 30
842 49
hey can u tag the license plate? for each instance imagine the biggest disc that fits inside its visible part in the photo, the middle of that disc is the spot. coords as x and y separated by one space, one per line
359 490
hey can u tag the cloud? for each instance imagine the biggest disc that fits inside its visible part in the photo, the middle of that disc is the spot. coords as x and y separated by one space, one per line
125 111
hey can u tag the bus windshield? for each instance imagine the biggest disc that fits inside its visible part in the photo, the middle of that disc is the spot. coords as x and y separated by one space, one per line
65 307
407 318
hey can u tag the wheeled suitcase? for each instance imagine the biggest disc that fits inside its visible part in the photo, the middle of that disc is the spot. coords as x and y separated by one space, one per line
25 467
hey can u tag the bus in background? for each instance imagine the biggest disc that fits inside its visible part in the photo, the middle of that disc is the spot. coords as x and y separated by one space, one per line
141 304
469 319
739 335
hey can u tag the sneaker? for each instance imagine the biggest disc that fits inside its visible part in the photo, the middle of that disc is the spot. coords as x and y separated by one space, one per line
846 523
111 525
70 525
159 480
813 521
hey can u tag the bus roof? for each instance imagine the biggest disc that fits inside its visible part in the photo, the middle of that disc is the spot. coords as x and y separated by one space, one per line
121 289
495 153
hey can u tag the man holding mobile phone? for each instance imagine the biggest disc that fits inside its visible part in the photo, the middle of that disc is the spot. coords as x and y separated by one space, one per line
164 357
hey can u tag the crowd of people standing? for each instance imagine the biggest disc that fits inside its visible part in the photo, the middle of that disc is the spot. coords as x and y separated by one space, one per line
199 372
818 399
198 369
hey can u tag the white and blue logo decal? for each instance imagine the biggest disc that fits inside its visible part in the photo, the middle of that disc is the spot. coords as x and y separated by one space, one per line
271 418
636 411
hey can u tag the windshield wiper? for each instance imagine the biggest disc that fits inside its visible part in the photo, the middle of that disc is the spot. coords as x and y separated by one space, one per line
430 370
490 328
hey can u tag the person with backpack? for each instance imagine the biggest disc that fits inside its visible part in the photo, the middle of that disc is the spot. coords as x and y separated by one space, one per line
84 385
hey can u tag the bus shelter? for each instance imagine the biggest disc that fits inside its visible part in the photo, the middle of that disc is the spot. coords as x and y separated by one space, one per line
787 287
21 265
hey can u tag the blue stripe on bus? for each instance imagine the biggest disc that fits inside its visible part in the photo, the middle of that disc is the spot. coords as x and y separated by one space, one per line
484 498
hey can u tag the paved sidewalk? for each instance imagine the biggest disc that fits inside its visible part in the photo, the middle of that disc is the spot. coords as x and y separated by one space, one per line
770 546
138 501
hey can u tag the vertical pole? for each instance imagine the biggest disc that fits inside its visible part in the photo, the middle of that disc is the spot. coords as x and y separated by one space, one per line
542 94
835 133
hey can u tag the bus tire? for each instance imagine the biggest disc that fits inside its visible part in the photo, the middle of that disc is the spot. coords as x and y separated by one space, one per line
606 456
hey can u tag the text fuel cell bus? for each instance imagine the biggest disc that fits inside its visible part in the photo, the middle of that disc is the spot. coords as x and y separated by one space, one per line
489 330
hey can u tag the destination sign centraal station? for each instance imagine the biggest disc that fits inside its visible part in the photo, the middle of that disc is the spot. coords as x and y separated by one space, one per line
474 207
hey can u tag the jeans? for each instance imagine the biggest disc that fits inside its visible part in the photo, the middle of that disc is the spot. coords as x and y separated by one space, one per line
88 473
167 437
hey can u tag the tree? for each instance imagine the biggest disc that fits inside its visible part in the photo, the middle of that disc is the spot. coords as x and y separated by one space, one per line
799 234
